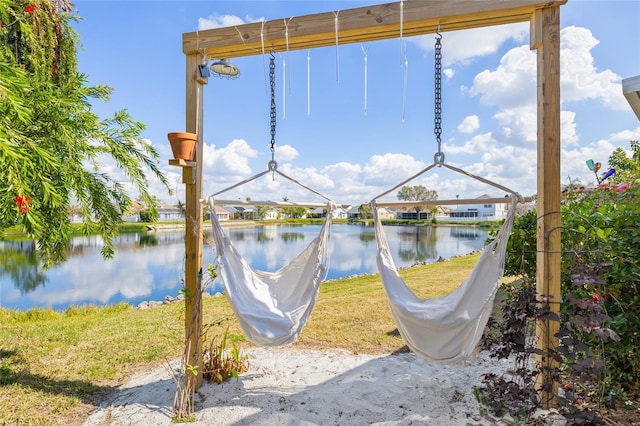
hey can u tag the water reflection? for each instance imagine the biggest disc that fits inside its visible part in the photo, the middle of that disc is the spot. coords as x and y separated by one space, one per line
148 240
418 244
149 266
18 260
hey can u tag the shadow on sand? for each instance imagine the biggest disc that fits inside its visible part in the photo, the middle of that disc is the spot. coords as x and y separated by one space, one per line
330 387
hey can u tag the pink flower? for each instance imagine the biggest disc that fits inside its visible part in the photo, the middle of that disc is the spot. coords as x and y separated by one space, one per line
622 187
596 298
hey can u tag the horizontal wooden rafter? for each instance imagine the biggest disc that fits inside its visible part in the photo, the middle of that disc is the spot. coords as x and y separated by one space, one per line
363 24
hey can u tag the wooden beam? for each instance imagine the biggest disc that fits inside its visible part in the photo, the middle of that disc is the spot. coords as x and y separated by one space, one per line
192 177
545 37
363 24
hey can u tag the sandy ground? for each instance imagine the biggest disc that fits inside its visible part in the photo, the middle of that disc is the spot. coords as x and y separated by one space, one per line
311 387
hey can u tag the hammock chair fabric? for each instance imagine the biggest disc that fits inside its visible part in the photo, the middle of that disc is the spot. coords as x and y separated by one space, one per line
446 329
272 307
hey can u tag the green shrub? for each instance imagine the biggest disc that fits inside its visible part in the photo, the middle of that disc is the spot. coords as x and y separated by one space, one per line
600 274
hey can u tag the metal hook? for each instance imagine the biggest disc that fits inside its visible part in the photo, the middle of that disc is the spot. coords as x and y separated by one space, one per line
273 167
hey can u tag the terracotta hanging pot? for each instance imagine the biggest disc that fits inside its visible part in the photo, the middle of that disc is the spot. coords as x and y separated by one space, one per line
183 145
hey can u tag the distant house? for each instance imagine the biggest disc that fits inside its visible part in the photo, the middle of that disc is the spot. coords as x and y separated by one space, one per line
167 213
412 214
479 211
353 212
317 212
385 213
271 214
133 214
242 212
222 214
247 212
340 213
232 212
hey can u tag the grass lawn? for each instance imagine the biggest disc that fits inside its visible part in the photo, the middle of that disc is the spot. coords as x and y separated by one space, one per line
55 366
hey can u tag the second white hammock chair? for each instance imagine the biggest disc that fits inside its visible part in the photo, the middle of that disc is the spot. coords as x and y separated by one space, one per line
446 329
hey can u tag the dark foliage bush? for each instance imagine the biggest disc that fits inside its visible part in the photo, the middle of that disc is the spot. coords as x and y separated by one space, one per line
600 306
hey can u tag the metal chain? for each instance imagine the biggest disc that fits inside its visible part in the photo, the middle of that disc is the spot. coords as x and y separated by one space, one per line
439 157
272 78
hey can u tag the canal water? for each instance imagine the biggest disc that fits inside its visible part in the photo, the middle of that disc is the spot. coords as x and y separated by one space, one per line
150 266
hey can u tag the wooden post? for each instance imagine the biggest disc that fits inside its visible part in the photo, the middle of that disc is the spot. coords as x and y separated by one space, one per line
192 178
545 37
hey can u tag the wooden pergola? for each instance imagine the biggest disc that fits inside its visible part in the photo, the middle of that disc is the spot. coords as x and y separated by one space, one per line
365 24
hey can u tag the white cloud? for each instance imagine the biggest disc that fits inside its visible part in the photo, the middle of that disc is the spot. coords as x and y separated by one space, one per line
389 169
449 73
508 165
230 161
461 47
311 178
349 183
285 153
580 79
470 124
517 126
219 21
476 144
568 135
512 84
623 138
343 171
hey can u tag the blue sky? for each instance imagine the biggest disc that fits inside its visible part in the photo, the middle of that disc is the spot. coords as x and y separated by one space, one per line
326 138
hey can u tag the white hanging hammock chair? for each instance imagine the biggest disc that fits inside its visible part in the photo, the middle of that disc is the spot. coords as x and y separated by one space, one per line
447 329
272 307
